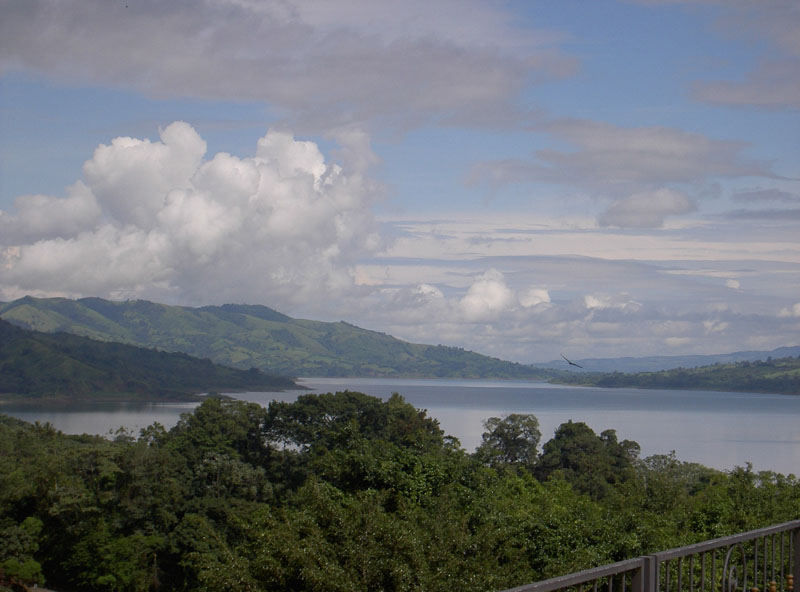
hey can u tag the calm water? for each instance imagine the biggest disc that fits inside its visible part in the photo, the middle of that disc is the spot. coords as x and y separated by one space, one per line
720 430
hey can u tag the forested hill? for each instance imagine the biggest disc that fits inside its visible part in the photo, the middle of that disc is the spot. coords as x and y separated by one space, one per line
767 376
60 365
657 363
245 336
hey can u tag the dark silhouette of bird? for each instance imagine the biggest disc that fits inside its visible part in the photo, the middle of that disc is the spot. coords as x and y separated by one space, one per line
570 362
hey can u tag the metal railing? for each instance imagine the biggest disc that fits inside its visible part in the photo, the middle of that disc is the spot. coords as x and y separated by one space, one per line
763 560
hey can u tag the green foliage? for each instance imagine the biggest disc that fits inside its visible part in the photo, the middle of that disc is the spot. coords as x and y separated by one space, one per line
244 336
61 365
590 463
18 545
511 440
347 492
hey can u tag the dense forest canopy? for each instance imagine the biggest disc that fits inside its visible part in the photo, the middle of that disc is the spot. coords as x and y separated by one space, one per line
348 492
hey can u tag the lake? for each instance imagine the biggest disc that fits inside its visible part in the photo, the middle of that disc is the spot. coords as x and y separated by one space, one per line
720 430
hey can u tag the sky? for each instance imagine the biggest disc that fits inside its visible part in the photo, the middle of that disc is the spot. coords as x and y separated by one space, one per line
521 179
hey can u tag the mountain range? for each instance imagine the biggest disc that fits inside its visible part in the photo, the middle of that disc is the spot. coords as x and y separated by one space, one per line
254 336
245 336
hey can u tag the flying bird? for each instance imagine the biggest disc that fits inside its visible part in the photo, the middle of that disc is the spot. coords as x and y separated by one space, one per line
570 362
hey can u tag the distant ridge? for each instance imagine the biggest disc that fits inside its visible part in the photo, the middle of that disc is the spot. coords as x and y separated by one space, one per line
245 336
37 366
657 363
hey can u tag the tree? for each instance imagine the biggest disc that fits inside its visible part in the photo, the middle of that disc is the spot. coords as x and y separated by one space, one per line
330 420
591 463
511 440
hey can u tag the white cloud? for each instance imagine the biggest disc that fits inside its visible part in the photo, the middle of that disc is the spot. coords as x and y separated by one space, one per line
487 297
610 301
44 216
428 292
533 297
154 219
792 311
715 326
132 177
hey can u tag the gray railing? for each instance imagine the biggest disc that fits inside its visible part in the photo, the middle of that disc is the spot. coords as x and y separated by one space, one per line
763 560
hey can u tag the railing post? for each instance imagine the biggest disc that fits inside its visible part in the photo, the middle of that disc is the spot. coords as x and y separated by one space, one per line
646 578
796 556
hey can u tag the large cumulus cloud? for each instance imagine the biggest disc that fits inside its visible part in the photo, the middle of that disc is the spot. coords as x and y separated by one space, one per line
159 219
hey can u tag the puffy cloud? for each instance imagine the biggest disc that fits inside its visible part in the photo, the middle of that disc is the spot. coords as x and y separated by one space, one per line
45 217
131 177
106 261
323 64
487 297
648 209
533 297
791 311
715 326
428 292
154 219
596 302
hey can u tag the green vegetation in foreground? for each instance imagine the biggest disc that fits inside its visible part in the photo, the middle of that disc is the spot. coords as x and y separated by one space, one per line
40 366
346 492
244 336
781 376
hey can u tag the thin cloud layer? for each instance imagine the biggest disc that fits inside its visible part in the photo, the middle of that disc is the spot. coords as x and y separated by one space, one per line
645 171
160 220
774 81
621 292
648 209
323 64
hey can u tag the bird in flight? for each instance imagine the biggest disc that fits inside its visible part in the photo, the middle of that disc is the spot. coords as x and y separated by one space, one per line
570 362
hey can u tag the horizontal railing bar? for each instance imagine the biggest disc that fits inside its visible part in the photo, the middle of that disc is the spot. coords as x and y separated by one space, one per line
725 541
638 563
581 577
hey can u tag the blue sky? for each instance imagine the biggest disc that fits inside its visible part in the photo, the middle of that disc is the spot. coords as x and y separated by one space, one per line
601 178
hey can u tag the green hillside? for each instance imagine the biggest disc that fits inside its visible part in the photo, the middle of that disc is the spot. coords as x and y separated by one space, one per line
245 336
61 365
769 376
